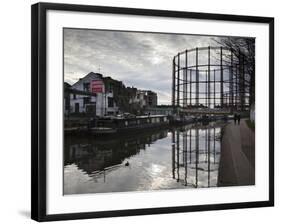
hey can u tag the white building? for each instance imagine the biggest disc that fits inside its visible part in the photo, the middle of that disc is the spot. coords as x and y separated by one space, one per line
82 102
90 95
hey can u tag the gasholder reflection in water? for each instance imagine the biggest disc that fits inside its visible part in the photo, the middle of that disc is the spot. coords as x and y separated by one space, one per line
182 157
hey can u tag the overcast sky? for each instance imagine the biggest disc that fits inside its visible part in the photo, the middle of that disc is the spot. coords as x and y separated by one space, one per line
142 60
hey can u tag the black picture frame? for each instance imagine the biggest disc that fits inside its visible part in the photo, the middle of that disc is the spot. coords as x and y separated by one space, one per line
39 123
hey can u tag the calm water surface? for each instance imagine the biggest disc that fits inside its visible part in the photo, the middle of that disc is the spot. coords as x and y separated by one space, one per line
182 157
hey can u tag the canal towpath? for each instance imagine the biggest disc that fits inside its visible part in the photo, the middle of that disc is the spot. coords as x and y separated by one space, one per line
237 165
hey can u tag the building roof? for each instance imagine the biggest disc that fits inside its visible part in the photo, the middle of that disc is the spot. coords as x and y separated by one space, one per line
66 85
88 76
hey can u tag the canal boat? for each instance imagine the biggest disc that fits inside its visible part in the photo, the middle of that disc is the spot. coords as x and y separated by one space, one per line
112 125
102 130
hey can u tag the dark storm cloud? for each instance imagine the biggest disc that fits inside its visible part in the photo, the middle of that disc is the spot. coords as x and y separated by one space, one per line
142 60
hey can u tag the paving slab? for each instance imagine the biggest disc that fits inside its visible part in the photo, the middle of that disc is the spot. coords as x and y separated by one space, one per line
237 166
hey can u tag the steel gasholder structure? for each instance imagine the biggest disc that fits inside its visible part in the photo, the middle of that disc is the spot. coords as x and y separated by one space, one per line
210 77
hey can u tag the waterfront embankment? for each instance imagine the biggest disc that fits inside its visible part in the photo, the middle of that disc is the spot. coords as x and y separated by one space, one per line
237 165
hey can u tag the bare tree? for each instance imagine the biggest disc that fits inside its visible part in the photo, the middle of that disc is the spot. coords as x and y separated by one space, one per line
243 49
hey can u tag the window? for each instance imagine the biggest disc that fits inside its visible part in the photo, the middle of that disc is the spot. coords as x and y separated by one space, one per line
86 86
74 96
110 88
110 102
86 100
77 107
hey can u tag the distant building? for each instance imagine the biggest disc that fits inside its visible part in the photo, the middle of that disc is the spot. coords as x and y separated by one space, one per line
145 98
103 96
160 110
151 98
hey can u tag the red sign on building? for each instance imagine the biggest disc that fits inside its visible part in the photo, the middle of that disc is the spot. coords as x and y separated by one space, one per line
97 86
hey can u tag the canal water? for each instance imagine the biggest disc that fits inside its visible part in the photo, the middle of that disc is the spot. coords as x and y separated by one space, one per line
176 157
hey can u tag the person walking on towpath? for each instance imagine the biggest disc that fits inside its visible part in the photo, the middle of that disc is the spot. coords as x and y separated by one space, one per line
235 118
238 118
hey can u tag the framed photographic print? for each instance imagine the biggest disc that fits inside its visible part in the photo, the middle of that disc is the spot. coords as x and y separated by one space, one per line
139 111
